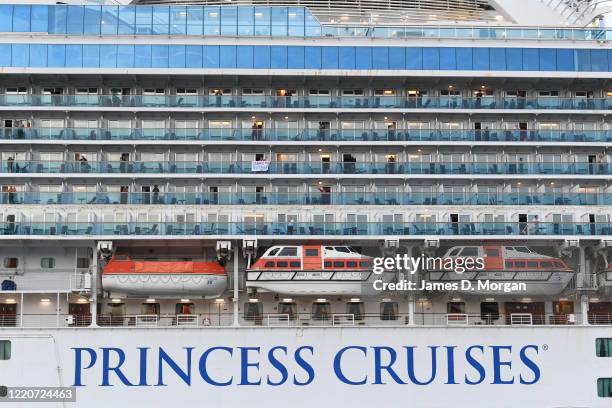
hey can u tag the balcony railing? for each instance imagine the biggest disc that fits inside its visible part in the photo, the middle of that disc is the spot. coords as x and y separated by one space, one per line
309 198
303 320
338 229
304 167
306 102
301 135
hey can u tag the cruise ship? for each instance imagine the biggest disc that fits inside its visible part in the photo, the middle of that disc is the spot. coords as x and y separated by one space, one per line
235 203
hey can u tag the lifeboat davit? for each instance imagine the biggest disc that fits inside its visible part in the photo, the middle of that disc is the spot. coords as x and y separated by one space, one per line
124 276
542 274
604 277
313 270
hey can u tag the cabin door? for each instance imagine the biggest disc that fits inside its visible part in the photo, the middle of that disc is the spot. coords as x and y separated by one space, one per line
8 314
535 309
600 313
561 310
81 313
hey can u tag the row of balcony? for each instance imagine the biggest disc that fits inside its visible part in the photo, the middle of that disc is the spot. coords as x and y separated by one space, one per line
341 135
307 102
305 198
297 167
202 229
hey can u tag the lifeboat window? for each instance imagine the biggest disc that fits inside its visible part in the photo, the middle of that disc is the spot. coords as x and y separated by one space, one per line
282 264
519 264
603 347
522 249
327 264
351 264
11 263
546 264
253 312
455 252
493 252
365 264
389 311
532 264
47 263
288 251
5 349
273 251
509 264
295 264
321 310
469 251
288 308
269 264
343 250
357 309
312 252
338 264
489 311
149 308
604 387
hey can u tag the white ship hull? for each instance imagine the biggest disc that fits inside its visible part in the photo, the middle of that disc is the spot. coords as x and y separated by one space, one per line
552 350
165 285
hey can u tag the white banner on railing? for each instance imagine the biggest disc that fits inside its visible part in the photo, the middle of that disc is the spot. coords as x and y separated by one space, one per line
260 165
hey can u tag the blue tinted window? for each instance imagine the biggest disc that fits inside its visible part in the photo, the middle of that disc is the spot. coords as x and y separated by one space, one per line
21 18
278 57
531 59
142 56
261 57
414 58
178 20
125 56
599 60
295 57
211 56
514 59
40 19
610 60
5 55
38 55
144 20
75 20
246 20
565 60
57 19
227 56
212 19
295 17
380 58
110 20
6 18
127 20
397 58
176 56
329 57
161 20
464 59
312 57
497 59
195 20
279 21
584 60
56 55
229 20
74 55
91 56
346 57
548 59
363 58
92 16
20 55
108 56
481 59
193 56
431 58
159 56
262 21
244 56
448 58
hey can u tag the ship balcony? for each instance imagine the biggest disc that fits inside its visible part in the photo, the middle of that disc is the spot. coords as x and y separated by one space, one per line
302 230
300 168
266 103
307 198
108 135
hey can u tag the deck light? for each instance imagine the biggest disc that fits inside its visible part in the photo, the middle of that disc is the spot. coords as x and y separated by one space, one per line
82 300
355 300
45 300
287 300
150 300
253 300
185 301
321 300
10 301
219 300
115 300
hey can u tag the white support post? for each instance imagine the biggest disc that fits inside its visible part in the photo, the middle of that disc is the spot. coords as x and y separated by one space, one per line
57 310
21 311
236 283
411 311
584 309
93 304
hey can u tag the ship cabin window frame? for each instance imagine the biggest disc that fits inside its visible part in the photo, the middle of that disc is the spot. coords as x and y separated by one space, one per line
155 305
469 251
352 264
179 305
489 315
269 264
47 262
253 312
338 264
287 308
10 262
389 310
357 309
288 251
311 252
603 347
455 307
365 264
5 350
532 264
604 387
321 310
493 252
282 264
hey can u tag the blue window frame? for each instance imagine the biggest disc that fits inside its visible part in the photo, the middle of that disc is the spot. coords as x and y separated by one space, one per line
531 59
261 57
397 58
431 58
159 56
211 56
56 55
465 59
193 56
448 59
481 57
108 56
6 18
514 59
329 57
295 57
142 56
38 55
414 58
363 58
346 58
548 60
599 60
21 18
278 57
227 55
91 56
125 56
176 56
244 57
74 55
312 57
